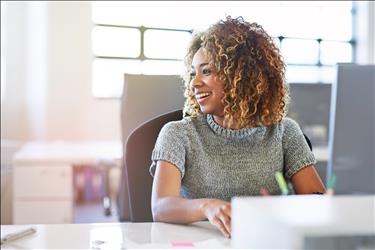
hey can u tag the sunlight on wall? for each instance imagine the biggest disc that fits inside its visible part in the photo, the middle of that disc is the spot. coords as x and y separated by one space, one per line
3 65
36 75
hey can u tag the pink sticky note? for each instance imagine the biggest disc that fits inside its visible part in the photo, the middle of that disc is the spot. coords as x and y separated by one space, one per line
182 244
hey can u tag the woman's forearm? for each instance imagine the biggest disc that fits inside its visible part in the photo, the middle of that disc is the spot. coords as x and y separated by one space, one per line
178 210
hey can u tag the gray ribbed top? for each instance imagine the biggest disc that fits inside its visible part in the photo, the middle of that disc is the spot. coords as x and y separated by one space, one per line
216 162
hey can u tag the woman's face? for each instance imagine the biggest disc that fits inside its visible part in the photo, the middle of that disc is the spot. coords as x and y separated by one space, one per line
206 86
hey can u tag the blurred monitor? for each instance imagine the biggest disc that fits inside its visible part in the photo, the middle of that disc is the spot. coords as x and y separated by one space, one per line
351 133
310 106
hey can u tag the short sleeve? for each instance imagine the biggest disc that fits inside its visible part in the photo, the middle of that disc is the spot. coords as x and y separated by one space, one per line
169 147
297 153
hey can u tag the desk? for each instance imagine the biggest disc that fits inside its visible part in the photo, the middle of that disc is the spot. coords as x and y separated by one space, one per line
43 177
291 221
117 236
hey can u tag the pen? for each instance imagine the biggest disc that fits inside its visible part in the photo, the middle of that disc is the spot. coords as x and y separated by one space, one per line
331 185
17 235
282 183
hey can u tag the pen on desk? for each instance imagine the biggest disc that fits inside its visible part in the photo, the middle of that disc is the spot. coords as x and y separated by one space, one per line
282 183
17 235
331 185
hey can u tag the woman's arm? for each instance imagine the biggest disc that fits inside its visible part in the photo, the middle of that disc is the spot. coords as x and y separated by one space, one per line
307 181
168 206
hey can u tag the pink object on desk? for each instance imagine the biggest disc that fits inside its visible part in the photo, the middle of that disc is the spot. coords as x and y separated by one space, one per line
182 244
264 192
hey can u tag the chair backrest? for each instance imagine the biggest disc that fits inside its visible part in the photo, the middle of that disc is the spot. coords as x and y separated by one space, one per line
139 148
144 97
147 96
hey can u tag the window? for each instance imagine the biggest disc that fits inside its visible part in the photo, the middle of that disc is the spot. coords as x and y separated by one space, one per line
116 41
151 37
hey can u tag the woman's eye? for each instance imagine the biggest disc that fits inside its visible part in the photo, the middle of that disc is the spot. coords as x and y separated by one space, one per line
192 74
206 71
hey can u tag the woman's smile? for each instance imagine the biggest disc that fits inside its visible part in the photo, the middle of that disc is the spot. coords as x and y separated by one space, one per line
202 96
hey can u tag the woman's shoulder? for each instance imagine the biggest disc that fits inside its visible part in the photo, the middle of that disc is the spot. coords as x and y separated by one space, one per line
289 122
184 124
289 125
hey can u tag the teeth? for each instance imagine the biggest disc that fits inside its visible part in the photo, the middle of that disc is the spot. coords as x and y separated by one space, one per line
201 95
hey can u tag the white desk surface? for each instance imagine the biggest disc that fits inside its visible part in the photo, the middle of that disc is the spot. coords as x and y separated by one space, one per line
257 223
117 236
85 152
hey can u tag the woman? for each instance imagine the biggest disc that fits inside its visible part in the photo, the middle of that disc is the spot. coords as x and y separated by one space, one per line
234 136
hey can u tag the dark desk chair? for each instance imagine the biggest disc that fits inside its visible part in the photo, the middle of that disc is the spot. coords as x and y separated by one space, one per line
139 148
144 97
308 141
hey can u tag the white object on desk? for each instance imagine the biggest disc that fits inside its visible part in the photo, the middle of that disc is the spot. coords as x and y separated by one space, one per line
43 177
118 236
284 222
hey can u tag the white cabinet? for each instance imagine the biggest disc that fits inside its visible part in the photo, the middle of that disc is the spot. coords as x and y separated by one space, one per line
43 212
43 181
42 194
43 177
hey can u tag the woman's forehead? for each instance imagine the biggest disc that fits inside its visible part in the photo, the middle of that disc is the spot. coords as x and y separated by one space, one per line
199 57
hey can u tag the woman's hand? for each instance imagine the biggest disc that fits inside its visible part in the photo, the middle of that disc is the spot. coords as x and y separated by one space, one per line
218 212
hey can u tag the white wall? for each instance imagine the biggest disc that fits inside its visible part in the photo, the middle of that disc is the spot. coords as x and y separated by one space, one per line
47 94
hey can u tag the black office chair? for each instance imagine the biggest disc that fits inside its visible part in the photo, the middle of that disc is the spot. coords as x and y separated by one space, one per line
308 141
139 148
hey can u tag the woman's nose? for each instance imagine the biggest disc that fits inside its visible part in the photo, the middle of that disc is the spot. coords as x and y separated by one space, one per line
196 82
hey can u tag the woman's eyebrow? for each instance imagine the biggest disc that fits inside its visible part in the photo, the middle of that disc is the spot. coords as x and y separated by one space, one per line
200 65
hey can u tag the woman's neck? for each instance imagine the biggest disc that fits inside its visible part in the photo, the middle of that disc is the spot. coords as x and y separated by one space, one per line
224 122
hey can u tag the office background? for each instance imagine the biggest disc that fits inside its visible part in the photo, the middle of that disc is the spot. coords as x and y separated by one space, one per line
47 75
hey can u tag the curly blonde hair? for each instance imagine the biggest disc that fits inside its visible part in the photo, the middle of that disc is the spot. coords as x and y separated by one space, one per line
249 64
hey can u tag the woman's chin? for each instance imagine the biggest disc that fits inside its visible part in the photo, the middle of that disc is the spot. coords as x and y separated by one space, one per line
205 110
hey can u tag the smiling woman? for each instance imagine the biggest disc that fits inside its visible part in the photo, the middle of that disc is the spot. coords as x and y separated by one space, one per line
234 137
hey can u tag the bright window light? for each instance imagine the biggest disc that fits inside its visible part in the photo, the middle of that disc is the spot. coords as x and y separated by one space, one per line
151 37
335 52
300 51
108 76
166 44
310 74
116 42
159 67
